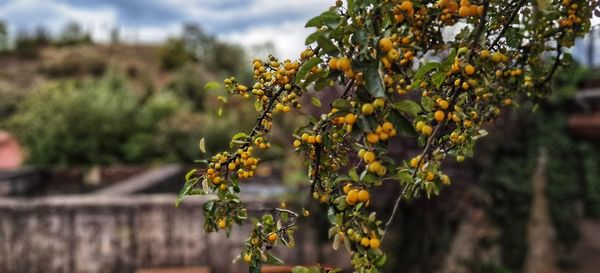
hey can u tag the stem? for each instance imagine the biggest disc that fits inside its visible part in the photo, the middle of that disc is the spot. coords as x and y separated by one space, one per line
508 23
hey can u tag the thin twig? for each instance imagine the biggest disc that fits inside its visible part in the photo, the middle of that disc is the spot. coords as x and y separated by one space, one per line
508 23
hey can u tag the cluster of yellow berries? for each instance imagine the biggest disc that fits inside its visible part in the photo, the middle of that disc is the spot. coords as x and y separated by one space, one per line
307 138
243 164
572 18
467 9
287 102
343 64
403 10
392 55
366 241
349 118
356 195
260 142
373 165
382 133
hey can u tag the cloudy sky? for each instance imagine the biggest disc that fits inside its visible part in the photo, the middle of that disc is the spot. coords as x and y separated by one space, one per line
246 22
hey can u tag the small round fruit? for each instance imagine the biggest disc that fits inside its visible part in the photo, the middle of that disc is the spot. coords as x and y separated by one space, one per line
350 118
231 166
375 167
386 44
469 70
333 64
368 109
312 140
343 64
484 54
439 115
372 138
379 103
222 223
369 157
374 243
352 197
443 104
297 143
347 188
365 242
445 179
248 258
272 237
363 196
497 57
427 130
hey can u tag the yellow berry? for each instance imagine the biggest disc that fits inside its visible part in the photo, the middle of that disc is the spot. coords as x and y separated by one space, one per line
347 188
365 242
469 70
363 196
443 104
497 57
369 157
352 197
312 140
445 179
378 103
231 166
427 130
343 64
374 243
297 143
439 115
222 223
484 54
368 109
386 44
372 138
272 237
350 118
305 137
248 258
375 167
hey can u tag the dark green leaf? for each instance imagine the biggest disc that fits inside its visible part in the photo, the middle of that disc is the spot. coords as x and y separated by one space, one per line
342 104
408 106
324 18
305 68
373 80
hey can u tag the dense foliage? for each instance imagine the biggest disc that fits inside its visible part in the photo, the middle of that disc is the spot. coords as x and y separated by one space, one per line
404 74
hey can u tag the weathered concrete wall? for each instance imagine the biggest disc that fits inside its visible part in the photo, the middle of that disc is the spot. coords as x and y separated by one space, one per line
114 234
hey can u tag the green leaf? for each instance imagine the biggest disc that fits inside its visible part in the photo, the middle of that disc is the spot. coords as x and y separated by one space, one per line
184 192
315 101
189 174
424 69
342 104
438 78
324 18
273 260
402 125
336 241
239 136
373 80
427 103
300 269
201 146
408 106
326 45
305 68
312 37
353 175
211 86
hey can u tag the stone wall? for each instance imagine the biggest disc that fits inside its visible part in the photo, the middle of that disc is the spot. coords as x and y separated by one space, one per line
119 234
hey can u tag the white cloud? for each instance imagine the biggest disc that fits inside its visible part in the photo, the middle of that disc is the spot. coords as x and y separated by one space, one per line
55 15
288 38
